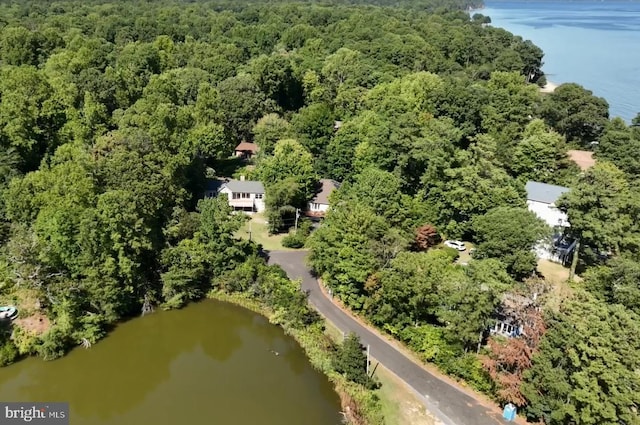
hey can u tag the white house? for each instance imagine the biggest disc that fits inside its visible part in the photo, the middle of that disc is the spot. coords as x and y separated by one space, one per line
243 195
319 205
508 313
541 199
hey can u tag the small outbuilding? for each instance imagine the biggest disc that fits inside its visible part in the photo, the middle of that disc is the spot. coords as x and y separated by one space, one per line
246 150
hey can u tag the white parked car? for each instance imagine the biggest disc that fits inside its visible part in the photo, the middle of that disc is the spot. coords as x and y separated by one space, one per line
455 245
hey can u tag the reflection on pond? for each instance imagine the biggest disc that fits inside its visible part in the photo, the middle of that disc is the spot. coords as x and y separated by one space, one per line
210 363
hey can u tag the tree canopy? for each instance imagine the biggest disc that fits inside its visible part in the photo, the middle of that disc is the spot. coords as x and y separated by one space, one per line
113 116
510 235
585 372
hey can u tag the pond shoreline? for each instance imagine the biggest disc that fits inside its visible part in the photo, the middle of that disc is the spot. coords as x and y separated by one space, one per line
359 406
185 365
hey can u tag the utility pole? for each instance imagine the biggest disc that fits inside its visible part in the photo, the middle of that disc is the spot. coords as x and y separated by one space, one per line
574 261
297 216
250 221
368 355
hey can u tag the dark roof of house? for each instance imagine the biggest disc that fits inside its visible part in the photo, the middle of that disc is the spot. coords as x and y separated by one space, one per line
326 187
214 185
247 146
545 193
245 186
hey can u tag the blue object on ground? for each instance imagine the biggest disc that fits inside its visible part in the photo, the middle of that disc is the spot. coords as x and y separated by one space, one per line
509 412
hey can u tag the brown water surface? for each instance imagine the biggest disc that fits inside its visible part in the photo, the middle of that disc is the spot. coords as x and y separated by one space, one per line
210 363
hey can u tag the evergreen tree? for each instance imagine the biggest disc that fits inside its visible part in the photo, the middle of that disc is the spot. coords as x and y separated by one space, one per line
351 361
586 371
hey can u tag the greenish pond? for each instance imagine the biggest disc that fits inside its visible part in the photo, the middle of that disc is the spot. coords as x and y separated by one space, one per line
211 363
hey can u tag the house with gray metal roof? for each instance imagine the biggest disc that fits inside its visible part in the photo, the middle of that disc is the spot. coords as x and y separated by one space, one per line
243 195
541 200
213 186
543 192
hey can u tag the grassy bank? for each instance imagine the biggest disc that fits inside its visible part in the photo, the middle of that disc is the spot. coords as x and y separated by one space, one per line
359 405
400 405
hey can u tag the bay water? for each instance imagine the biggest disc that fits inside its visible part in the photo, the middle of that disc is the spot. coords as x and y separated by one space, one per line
595 44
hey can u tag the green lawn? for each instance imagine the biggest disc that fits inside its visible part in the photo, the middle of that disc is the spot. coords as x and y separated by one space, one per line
557 276
256 230
333 332
553 273
400 405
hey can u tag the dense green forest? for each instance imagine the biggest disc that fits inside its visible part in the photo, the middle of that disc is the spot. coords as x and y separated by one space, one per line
114 114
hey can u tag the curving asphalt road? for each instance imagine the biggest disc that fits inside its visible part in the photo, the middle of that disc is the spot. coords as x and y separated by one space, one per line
450 405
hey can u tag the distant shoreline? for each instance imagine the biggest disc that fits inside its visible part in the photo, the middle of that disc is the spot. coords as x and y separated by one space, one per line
549 87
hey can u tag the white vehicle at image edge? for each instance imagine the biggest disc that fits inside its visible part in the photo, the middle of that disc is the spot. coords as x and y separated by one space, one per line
455 245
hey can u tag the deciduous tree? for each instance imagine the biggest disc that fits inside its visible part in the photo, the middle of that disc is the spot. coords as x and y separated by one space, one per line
289 160
617 282
512 103
576 113
426 237
540 155
242 103
341 250
620 145
268 130
510 235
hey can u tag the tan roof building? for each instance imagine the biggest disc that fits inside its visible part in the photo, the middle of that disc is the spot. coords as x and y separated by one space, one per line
246 150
